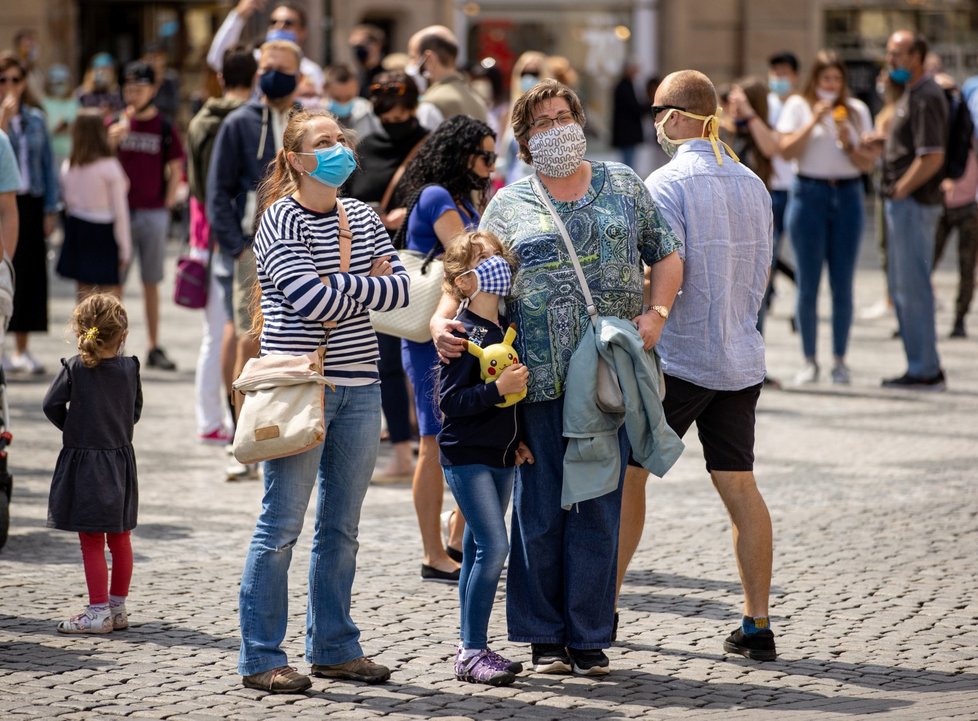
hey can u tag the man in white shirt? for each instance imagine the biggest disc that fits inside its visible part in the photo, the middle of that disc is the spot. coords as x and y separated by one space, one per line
287 21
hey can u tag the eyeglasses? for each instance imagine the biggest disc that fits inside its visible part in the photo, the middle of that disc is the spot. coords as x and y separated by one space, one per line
12 79
545 123
487 155
656 109
283 22
388 89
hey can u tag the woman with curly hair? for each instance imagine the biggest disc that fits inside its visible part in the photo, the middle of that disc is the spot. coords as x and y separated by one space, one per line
447 184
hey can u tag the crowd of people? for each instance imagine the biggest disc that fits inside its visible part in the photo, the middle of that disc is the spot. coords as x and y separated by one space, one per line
573 265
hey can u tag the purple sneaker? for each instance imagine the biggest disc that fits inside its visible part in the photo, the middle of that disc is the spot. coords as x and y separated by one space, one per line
484 667
511 666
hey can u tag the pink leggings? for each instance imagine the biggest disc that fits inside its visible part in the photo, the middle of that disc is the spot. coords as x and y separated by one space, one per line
96 569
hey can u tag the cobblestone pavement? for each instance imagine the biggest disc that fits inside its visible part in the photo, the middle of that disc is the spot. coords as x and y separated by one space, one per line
875 511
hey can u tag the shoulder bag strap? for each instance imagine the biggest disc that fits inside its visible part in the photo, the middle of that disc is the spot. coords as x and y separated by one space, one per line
592 310
398 174
346 246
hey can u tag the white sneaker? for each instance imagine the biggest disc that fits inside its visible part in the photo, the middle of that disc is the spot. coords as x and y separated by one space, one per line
808 374
241 472
841 374
879 309
26 363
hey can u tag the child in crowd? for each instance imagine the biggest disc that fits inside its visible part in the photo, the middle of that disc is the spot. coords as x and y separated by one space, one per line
97 243
479 446
95 400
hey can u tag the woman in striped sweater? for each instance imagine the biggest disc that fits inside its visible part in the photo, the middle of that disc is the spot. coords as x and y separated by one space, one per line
308 301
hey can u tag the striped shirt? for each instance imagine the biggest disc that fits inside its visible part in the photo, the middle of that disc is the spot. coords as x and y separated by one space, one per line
298 258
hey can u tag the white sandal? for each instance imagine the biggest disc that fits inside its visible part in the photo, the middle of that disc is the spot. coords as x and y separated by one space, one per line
88 621
120 618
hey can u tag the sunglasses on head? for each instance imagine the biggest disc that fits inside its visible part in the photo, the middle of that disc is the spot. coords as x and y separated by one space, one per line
388 89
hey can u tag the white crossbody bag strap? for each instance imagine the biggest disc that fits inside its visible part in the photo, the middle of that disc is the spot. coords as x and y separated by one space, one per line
592 310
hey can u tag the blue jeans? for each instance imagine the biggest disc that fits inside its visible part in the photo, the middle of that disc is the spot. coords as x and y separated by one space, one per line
341 468
560 587
482 493
779 203
825 222
910 228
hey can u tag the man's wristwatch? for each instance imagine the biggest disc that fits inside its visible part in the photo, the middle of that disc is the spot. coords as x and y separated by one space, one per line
661 310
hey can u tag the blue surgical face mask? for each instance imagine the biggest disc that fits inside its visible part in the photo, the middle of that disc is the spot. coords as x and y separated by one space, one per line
779 85
493 276
527 82
333 165
279 34
340 110
276 85
901 76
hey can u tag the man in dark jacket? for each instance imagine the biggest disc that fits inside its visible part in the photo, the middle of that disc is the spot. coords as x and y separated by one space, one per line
626 117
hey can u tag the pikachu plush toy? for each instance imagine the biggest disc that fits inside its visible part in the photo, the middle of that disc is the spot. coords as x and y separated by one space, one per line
494 359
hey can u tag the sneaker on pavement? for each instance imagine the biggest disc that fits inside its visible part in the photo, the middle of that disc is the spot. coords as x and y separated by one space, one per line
916 383
808 374
756 646
120 618
358 669
589 662
550 658
26 363
841 374
220 436
88 621
512 666
240 472
880 309
283 679
958 331
157 359
485 667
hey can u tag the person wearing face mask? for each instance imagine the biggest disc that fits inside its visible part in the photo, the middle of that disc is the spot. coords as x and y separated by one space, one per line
100 86
712 352
561 581
913 160
303 283
383 153
530 68
245 146
342 99
60 107
434 52
367 46
286 21
445 187
821 131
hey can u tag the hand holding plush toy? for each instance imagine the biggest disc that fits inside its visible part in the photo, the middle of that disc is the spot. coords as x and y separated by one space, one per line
499 363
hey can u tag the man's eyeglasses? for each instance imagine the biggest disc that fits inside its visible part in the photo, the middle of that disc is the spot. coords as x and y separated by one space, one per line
388 89
545 123
656 109
283 22
487 155
12 79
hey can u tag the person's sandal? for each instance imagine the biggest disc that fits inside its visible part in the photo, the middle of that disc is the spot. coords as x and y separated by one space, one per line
120 618
88 621
283 679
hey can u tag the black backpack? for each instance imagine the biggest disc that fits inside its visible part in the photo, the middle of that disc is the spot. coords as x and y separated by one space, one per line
961 129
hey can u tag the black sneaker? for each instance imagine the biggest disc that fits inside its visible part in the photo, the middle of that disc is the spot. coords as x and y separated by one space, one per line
958 330
916 383
589 662
550 658
157 359
757 646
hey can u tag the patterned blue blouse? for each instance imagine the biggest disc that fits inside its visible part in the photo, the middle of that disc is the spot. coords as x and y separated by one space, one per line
614 227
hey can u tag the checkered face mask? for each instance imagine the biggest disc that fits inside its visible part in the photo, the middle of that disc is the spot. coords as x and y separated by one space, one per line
493 275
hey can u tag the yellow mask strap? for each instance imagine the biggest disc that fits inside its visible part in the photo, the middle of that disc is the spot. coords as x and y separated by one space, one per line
711 128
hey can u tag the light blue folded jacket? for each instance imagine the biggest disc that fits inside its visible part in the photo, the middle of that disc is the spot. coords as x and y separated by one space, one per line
592 463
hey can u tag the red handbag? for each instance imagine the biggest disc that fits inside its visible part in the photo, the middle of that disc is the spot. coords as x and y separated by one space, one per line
190 285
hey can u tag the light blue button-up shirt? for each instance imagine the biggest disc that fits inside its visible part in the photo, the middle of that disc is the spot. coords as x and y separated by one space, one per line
722 217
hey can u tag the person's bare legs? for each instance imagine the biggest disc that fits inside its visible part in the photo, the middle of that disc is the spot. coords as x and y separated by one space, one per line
229 345
428 491
632 520
456 529
151 300
21 340
752 536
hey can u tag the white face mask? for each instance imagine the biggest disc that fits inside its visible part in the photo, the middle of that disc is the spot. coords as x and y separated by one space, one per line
826 96
558 152
413 71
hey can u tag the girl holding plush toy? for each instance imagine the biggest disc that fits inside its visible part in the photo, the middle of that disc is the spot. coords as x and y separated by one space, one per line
479 443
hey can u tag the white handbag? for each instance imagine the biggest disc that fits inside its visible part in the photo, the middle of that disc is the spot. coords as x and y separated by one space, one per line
411 322
284 408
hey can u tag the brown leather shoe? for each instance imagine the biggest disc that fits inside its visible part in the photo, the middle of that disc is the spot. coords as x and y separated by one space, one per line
358 669
284 679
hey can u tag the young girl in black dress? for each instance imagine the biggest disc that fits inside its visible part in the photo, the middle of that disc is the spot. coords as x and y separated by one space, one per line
96 400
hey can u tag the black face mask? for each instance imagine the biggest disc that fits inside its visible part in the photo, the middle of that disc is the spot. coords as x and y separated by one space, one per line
361 52
402 130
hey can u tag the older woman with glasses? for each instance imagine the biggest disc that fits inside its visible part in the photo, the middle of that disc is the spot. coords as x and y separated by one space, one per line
561 579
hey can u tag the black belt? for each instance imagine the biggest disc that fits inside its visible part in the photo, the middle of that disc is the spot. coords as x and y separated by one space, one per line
832 182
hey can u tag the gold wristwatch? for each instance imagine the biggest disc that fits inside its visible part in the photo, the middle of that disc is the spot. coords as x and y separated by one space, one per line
661 310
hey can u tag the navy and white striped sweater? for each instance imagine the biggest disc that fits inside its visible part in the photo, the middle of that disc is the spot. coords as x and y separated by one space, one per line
298 258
